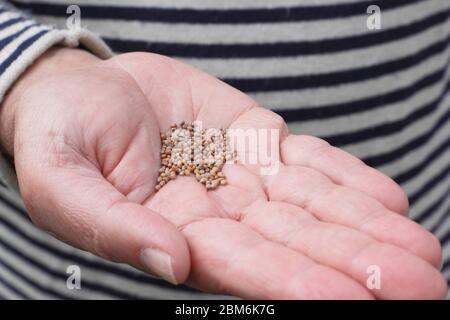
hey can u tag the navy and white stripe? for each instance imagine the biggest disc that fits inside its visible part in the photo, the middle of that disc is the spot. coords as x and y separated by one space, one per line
382 94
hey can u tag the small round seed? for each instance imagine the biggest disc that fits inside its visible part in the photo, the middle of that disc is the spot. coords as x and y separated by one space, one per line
186 149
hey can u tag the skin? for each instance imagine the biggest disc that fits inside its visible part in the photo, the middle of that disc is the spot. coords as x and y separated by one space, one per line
84 134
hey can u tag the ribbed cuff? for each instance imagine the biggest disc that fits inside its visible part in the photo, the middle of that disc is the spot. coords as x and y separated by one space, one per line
20 53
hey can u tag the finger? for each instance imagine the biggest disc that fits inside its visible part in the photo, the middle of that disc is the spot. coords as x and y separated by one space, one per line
343 169
231 259
228 257
311 190
402 275
256 136
81 208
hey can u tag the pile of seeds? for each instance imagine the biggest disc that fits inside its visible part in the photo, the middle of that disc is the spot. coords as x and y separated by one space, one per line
188 149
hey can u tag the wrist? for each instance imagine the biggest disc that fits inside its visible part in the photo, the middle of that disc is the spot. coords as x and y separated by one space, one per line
56 60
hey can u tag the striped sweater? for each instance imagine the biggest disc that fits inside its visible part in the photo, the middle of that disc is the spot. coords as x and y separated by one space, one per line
381 94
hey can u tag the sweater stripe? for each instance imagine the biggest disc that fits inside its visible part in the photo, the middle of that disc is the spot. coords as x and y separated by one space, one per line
286 14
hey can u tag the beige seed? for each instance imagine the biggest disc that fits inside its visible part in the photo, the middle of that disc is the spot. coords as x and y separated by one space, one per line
215 183
186 149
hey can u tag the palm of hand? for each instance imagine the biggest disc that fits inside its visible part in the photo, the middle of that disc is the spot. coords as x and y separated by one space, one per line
309 231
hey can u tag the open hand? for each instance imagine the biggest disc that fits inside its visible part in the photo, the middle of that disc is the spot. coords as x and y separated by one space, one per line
85 139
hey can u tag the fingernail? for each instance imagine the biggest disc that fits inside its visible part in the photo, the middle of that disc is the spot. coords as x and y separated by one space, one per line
159 263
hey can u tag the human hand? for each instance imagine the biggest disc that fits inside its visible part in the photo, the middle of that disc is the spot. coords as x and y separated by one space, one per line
85 138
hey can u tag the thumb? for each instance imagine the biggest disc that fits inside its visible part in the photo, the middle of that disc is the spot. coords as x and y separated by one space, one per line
77 205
